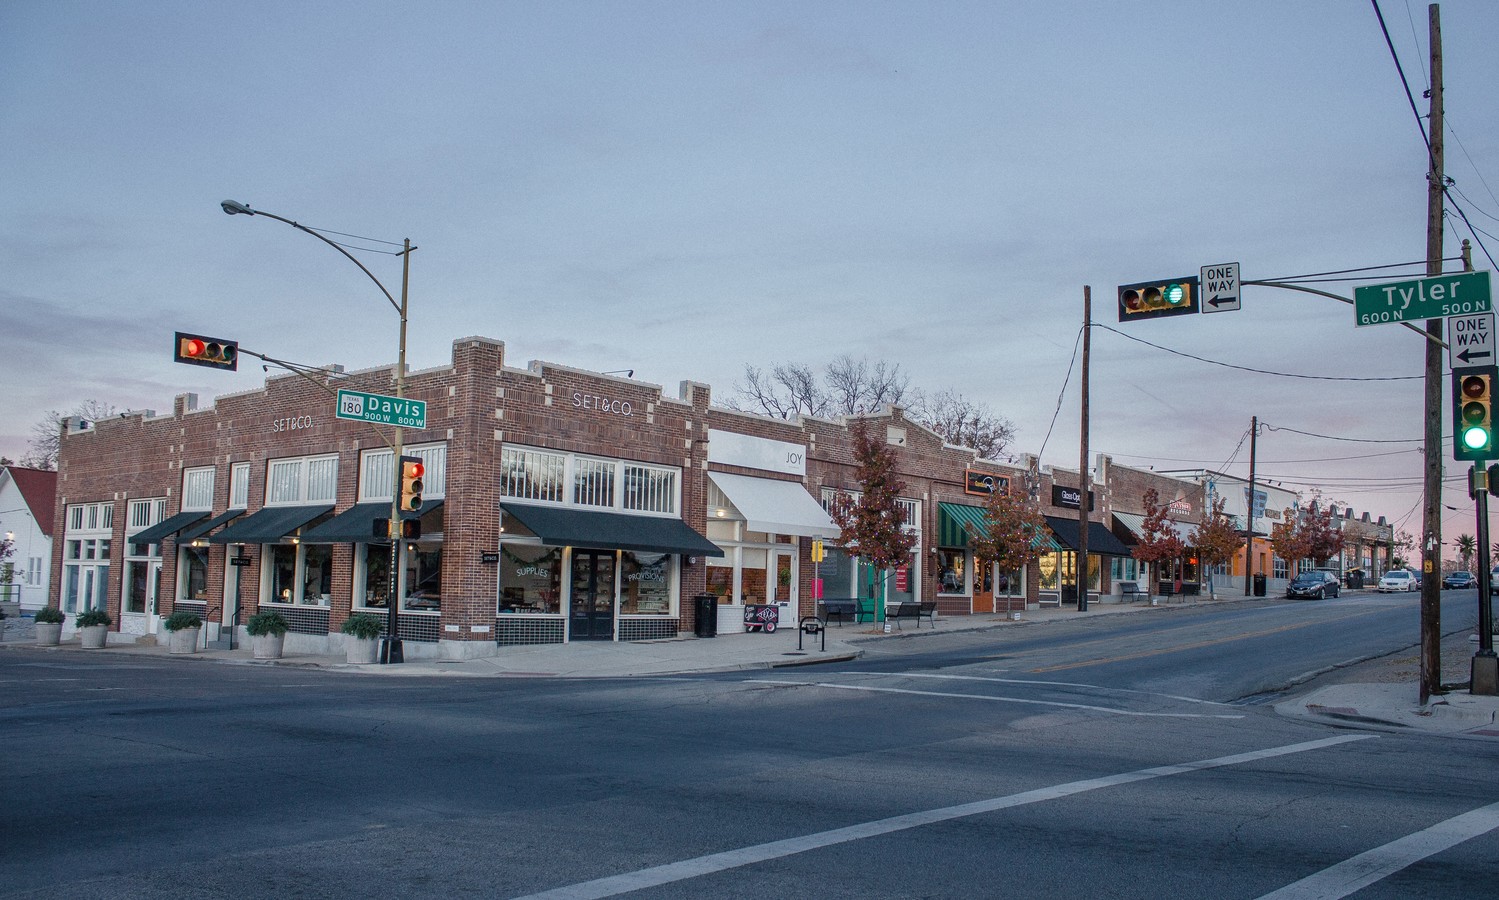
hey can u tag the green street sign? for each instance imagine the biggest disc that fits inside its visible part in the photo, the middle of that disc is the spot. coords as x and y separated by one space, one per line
1424 298
382 410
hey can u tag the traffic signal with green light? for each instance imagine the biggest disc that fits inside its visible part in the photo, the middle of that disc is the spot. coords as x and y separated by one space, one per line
1153 299
197 350
412 471
1473 414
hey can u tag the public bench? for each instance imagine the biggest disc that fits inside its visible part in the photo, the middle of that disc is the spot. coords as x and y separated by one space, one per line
837 607
1129 592
912 610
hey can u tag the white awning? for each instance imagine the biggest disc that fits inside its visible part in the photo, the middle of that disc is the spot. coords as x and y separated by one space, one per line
783 507
1136 524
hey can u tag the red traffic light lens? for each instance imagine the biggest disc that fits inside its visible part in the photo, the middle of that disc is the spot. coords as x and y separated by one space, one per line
1475 386
193 348
1132 300
413 469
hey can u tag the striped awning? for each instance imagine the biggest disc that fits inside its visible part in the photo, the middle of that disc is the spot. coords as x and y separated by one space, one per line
956 521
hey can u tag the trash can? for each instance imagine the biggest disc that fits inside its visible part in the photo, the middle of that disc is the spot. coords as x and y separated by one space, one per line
705 607
1259 585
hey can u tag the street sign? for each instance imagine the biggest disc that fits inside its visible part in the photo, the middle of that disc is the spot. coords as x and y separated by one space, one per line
382 410
1470 342
1459 294
1220 288
818 554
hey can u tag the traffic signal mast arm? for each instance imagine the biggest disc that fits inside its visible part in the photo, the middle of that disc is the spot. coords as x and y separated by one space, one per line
301 370
1413 326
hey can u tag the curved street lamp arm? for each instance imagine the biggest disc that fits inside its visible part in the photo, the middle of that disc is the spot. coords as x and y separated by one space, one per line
233 208
1297 287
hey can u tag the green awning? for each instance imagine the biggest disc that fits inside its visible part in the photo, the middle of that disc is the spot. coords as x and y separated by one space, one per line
568 526
270 525
166 528
955 521
202 528
356 525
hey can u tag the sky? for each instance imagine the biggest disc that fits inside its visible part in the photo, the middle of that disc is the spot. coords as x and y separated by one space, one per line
682 189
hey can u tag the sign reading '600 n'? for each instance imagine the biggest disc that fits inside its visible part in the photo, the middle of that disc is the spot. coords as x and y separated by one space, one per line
1423 298
382 410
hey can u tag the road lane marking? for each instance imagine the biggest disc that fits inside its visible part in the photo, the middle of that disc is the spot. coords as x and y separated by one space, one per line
1070 684
614 885
1083 706
1360 871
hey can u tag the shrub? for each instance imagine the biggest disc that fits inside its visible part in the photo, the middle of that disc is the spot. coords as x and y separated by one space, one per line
91 617
50 615
361 625
266 622
180 621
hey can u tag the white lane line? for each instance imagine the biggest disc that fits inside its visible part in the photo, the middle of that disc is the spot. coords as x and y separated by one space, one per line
1071 684
1083 706
655 876
1374 865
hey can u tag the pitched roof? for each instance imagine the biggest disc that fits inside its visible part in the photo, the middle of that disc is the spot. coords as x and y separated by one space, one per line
39 488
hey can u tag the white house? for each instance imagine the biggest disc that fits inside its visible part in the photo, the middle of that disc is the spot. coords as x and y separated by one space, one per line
28 503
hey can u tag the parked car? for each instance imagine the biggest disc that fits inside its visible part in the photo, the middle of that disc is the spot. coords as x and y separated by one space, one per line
1459 580
1314 585
1398 580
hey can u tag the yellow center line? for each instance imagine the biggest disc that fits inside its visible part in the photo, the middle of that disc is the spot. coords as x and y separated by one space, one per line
1199 644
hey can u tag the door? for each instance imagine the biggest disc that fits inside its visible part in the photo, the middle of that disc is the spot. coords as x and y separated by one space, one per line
983 587
153 596
783 575
591 602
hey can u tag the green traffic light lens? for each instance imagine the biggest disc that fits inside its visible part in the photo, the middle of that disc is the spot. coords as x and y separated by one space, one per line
1174 294
1475 438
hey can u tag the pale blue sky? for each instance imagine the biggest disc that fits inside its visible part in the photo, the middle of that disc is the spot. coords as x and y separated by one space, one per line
682 188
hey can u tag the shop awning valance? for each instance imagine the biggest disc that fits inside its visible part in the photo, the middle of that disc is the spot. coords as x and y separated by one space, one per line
167 527
1134 523
193 532
1100 539
783 507
956 521
356 525
270 525
566 526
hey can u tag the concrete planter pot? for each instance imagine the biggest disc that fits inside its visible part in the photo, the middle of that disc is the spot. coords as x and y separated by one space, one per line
48 634
268 646
184 640
93 636
362 651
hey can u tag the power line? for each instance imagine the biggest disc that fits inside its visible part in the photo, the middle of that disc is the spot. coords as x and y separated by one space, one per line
1352 440
1214 362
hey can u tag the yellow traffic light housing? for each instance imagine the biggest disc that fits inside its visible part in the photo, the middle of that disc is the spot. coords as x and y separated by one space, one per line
1153 299
1473 414
412 471
198 350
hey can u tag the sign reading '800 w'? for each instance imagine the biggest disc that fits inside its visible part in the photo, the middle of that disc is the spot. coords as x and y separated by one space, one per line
1422 298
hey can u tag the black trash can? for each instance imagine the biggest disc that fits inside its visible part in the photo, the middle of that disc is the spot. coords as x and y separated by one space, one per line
1259 585
705 607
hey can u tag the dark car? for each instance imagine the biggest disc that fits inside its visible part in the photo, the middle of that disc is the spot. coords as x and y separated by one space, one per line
1459 580
1314 585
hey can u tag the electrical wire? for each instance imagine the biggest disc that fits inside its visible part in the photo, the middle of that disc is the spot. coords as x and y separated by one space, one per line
1062 395
1225 365
1336 438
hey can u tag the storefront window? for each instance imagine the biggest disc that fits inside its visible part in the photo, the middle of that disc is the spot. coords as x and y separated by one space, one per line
900 584
375 567
283 566
951 578
721 578
192 564
1049 564
136 575
837 574
530 579
752 581
646 583
1010 584
423 578
317 574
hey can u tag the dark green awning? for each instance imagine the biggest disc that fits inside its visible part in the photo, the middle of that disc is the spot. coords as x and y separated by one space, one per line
356 525
270 525
166 528
564 526
955 521
1100 539
202 528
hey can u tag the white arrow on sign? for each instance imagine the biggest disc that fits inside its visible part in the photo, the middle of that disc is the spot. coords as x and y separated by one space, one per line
1470 341
1220 288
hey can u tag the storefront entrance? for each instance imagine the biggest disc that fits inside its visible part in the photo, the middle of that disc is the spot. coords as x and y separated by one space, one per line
983 587
591 600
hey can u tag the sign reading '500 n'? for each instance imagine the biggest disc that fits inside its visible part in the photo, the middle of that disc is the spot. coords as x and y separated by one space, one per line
382 410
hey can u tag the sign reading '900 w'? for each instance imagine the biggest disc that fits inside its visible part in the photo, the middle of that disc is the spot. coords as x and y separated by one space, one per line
382 410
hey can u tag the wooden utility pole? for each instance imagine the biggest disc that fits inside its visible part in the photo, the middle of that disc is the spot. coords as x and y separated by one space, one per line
1254 433
1431 550
1083 486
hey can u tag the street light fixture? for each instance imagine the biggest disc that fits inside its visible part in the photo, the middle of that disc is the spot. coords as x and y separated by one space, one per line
391 652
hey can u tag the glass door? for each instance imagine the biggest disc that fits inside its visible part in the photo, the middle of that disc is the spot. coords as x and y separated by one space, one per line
783 577
591 599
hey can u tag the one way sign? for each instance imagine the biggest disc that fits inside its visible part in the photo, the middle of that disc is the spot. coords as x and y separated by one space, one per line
1470 342
1220 288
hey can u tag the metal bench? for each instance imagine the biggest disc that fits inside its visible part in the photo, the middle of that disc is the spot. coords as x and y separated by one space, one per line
837 607
1129 592
911 610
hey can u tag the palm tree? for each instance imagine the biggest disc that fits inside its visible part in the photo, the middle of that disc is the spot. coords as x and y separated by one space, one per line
1466 547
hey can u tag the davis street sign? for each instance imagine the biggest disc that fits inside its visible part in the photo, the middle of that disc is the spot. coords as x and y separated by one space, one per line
381 410
1425 298
1470 342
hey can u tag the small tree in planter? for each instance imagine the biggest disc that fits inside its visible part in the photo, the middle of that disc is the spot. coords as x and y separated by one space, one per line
268 628
363 631
872 527
49 620
93 627
183 627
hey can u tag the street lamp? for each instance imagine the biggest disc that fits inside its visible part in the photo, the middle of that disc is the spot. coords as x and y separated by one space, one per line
391 652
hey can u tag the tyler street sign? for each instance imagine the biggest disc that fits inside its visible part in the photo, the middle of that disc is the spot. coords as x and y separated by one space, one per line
382 410
1459 294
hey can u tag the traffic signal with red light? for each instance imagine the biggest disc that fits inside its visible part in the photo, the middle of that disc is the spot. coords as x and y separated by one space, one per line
412 471
1473 414
197 350
411 529
1153 299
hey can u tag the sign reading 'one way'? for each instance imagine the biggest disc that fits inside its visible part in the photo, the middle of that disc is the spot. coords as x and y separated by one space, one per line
1220 288
1470 342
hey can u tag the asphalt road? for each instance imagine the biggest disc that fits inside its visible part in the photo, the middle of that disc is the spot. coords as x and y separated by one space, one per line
1121 756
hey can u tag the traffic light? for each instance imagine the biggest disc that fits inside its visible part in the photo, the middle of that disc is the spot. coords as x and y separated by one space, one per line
412 471
1153 299
1473 414
411 529
1493 474
197 350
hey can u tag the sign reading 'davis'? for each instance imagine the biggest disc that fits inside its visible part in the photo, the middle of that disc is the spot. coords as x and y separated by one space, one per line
1069 497
983 483
402 412
734 449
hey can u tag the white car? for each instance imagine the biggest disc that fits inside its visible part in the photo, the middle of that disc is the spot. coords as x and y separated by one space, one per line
1397 580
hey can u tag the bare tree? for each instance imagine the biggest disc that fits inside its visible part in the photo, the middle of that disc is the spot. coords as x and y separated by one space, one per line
46 434
967 423
789 389
857 386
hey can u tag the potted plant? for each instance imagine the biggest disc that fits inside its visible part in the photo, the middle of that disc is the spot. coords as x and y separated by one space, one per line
363 633
93 626
268 628
49 621
183 627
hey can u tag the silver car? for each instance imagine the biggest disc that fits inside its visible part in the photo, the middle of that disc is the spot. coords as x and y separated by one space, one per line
1397 580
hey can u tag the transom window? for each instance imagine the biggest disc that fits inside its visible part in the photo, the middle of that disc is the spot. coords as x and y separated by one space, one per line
239 486
544 476
377 473
91 517
197 489
308 479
